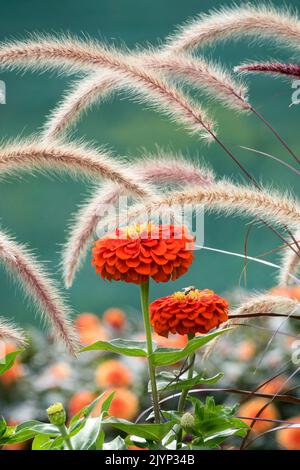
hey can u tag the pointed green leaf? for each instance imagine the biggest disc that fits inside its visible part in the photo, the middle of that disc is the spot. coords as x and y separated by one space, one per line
87 437
120 346
167 381
153 432
8 361
168 356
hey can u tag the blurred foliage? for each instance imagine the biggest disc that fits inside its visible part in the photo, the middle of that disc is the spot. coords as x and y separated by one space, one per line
37 209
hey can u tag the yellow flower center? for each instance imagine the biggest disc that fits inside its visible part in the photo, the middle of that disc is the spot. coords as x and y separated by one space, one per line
192 294
134 231
179 296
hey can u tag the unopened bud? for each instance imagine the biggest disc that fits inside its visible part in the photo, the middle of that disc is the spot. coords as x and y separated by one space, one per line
57 414
187 421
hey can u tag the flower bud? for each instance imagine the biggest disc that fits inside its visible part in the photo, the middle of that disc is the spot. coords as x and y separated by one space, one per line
57 414
187 421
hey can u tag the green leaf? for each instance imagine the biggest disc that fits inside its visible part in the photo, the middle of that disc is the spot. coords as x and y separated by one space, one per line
120 346
215 423
117 444
87 437
3 426
168 356
167 381
107 402
28 430
153 432
84 413
9 360
41 442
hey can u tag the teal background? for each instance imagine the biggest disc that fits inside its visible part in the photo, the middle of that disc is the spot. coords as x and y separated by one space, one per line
37 209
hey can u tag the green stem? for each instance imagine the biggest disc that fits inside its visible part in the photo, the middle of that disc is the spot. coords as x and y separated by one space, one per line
64 433
191 361
146 316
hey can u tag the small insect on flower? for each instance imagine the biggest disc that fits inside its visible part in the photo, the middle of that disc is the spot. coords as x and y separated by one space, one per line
188 312
142 251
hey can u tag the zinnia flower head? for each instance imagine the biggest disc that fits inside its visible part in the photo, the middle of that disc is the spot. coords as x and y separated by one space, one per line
252 407
113 373
115 318
89 328
188 312
124 405
79 400
142 251
290 438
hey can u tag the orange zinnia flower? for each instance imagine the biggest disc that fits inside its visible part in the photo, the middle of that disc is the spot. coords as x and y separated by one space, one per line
115 318
89 328
142 251
195 311
113 373
290 438
252 407
79 400
124 405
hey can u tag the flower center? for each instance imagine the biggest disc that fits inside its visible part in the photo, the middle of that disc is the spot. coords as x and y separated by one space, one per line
191 293
135 231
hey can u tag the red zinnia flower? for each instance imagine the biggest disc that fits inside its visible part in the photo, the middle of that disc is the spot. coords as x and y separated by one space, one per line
193 311
138 252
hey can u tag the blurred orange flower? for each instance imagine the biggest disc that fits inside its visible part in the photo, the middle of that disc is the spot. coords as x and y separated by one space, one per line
80 400
124 405
196 311
60 370
113 373
89 328
275 386
252 407
115 318
12 375
142 251
174 341
290 438
292 292
246 350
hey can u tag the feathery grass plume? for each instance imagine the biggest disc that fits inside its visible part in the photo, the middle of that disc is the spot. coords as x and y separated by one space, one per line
70 54
160 168
290 263
263 304
9 332
273 68
257 304
75 159
212 79
256 21
82 94
226 197
36 284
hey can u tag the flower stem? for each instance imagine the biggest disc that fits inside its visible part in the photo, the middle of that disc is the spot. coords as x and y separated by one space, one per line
63 431
191 361
146 316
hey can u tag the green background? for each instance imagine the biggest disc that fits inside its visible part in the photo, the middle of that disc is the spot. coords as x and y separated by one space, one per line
37 209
